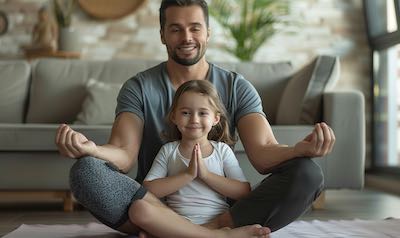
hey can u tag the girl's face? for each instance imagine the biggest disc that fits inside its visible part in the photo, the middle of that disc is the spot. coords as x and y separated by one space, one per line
194 116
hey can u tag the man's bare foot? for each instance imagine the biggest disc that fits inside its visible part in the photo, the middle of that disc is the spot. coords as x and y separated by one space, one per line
251 231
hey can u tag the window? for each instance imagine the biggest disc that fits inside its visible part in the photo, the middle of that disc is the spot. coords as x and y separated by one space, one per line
383 19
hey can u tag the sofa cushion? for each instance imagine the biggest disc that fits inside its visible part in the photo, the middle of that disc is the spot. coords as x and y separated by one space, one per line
14 84
59 86
41 137
301 101
100 103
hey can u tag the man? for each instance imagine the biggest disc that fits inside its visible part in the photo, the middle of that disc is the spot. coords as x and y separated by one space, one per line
143 102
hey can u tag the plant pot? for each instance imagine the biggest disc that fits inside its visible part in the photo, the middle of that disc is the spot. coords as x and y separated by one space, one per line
69 40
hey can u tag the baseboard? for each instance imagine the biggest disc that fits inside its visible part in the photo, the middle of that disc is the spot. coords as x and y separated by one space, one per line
383 183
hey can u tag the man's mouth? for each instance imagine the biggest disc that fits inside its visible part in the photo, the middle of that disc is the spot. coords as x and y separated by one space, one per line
187 49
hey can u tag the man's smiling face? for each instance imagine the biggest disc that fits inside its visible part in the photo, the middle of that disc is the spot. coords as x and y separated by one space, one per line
185 34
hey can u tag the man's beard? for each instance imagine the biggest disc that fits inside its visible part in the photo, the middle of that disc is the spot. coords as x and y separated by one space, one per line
187 62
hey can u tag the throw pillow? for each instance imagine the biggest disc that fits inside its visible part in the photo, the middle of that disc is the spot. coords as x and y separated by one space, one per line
301 101
99 105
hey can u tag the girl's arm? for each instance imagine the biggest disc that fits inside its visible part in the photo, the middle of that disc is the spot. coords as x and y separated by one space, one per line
231 188
228 187
162 186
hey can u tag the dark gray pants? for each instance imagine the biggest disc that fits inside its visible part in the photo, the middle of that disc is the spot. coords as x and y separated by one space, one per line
277 201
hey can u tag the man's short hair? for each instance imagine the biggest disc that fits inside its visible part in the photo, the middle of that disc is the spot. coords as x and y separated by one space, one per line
182 3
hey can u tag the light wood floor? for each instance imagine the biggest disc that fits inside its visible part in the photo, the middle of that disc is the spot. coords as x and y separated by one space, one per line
340 204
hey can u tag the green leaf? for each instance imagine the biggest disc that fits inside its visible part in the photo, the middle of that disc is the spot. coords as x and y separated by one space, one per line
249 22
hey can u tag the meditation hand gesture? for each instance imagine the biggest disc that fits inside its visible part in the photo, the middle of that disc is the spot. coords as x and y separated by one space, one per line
197 167
73 144
202 170
318 143
192 168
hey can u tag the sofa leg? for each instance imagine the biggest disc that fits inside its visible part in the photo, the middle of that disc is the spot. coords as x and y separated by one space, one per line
68 202
29 195
319 203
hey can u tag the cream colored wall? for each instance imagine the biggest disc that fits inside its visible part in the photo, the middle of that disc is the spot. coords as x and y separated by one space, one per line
322 27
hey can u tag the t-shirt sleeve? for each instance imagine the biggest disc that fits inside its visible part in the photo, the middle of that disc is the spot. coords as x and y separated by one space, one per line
130 98
248 99
159 167
231 165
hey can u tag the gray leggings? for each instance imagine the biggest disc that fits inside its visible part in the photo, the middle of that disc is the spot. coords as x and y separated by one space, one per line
280 198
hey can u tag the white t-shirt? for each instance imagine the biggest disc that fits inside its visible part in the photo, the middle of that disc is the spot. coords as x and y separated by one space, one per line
196 201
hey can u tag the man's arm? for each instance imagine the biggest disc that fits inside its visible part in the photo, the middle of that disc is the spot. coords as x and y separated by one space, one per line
265 152
122 149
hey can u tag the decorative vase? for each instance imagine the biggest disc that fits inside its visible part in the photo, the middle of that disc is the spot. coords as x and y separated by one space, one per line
69 40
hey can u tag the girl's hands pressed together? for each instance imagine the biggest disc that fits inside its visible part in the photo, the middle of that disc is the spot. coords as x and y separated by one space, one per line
193 165
202 171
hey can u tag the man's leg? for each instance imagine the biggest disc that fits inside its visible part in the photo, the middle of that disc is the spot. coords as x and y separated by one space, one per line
104 191
280 198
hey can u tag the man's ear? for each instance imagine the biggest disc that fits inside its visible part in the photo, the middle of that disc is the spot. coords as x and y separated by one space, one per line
162 37
208 33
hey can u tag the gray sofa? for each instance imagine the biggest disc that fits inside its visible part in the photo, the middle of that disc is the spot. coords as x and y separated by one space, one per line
35 97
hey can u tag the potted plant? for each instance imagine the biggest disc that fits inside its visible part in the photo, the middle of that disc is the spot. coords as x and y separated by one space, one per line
68 37
249 22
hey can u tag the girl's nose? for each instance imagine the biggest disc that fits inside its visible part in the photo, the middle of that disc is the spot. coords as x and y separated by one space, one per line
194 118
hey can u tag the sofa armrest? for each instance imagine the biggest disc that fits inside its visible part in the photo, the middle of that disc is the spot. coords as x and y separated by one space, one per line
344 112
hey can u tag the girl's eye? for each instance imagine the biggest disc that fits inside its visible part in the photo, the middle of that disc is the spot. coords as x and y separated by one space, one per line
185 113
203 113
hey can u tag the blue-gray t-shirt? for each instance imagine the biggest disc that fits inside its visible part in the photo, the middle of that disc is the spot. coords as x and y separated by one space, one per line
149 95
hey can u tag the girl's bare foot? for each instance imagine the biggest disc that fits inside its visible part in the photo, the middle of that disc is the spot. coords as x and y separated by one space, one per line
211 225
144 234
251 231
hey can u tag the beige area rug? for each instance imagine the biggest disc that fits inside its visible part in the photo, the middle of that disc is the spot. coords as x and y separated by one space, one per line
389 228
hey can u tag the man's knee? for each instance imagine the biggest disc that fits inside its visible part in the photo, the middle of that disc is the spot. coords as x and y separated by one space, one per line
82 172
310 172
306 175
103 190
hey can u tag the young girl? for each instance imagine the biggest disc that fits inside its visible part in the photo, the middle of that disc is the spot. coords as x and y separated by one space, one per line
198 170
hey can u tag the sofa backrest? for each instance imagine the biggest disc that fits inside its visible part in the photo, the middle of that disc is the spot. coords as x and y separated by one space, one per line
269 79
58 86
14 85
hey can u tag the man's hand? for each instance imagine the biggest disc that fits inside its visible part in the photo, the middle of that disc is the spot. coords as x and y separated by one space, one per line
73 144
318 143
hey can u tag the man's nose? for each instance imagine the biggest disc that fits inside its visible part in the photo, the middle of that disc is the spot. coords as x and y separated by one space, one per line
187 36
